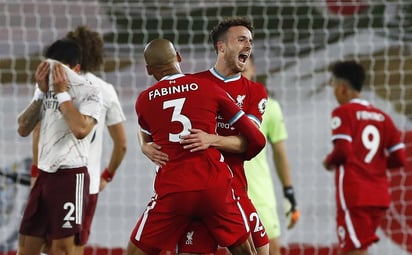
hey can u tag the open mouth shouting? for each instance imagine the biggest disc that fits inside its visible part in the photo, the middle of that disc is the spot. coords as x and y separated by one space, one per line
243 57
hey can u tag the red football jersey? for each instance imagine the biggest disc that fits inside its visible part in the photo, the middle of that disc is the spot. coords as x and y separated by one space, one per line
251 97
168 110
371 133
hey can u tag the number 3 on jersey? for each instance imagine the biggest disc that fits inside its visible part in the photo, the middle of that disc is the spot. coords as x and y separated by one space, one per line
177 105
370 140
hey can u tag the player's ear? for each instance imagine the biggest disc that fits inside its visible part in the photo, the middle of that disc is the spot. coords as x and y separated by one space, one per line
179 57
148 70
220 46
77 68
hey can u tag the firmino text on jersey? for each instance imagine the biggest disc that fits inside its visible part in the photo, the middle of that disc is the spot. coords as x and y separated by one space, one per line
365 115
173 90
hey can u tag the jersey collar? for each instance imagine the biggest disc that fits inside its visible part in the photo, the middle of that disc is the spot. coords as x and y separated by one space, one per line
222 78
172 77
360 101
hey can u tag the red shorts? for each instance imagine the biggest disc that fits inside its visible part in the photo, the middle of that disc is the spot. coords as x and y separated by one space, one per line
356 227
166 219
88 218
203 242
56 204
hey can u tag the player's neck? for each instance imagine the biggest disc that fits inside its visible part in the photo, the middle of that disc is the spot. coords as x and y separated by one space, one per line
224 71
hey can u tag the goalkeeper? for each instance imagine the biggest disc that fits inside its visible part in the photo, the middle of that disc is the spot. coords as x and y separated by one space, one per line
261 189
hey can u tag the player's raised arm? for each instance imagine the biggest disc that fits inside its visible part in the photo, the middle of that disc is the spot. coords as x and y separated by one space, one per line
30 116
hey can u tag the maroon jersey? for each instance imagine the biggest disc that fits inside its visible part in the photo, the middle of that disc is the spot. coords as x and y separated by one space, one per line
168 110
251 97
371 134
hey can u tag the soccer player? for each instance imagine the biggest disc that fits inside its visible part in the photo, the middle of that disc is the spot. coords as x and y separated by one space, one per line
67 107
261 189
191 184
112 117
233 42
365 144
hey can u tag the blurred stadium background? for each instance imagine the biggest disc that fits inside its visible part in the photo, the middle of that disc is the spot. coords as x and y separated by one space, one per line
295 41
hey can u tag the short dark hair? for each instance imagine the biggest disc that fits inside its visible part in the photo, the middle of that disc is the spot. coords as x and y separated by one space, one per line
351 71
66 51
219 31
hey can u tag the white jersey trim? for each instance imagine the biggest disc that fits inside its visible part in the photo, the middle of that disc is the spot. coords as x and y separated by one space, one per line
342 136
223 78
396 147
348 220
79 197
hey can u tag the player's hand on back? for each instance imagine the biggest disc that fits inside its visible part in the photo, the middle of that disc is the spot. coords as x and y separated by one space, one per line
152 151
197 140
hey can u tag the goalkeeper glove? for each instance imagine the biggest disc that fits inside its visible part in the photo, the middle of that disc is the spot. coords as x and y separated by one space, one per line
290 206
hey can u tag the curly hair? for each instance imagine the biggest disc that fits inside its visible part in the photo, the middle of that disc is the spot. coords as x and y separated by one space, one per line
91 43
219 31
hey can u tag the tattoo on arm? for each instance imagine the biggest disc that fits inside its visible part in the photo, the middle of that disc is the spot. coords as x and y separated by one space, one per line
28 119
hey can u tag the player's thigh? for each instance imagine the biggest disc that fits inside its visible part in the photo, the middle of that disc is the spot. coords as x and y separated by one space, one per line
28 245
232 217
88 218
356 227
225 225
35 215
161 224
258 231
270 220
63 246
197 239
66 201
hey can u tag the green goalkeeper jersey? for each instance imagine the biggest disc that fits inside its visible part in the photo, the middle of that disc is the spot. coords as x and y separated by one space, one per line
260 185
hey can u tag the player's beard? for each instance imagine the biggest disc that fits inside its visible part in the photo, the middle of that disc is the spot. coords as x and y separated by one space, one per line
232 61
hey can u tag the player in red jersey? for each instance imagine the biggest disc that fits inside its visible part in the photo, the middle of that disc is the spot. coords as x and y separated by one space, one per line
233 42
365 144
191 184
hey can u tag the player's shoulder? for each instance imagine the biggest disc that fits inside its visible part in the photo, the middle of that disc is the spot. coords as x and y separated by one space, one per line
204 80
203 74
252 84
103 85
348 107
96 79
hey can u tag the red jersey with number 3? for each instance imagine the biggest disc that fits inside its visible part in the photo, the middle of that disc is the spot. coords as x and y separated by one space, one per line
362 180
251 97
168 110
